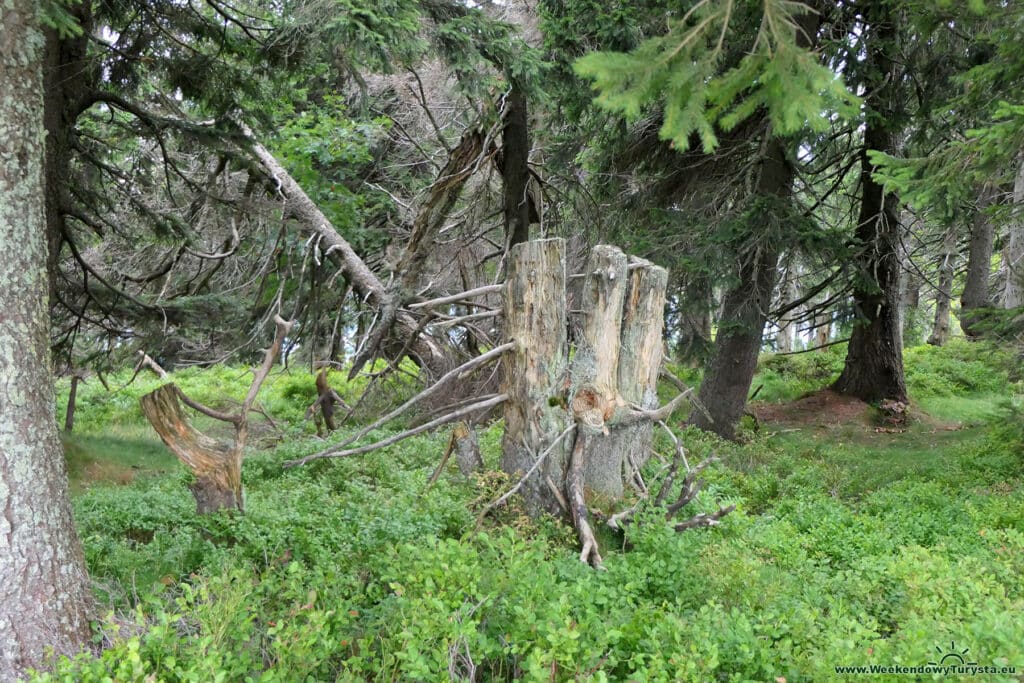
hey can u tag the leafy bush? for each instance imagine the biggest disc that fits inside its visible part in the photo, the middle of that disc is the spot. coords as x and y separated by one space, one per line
957 368
350 569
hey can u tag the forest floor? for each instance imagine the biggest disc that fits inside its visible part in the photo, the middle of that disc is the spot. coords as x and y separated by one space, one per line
849 546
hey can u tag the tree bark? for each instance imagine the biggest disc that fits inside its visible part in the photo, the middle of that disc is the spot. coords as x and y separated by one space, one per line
44 591
943 297
723 392
975 294
535 370
874 358
1013 256
640 357
595 365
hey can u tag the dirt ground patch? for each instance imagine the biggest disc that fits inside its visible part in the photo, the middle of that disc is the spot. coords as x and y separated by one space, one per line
822 408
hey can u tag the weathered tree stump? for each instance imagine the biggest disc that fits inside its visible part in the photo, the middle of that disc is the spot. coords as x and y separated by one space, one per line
595 368
217 467
535 370
640 357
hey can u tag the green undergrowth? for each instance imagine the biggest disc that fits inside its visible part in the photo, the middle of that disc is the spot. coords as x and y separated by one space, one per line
848 547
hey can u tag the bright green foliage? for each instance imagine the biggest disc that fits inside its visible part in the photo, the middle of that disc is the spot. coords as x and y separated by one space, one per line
849 547
54 15
683 71
327 152
979 119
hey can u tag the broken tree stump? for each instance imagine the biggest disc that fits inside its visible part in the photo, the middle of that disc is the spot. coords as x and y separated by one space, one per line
535 370
640 357
595 368
216 466
467 449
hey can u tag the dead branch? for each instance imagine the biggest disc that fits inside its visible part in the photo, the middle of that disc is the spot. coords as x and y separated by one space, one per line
461 296
458 372
590 552
533 468
146 362
704 519
681 386
334 453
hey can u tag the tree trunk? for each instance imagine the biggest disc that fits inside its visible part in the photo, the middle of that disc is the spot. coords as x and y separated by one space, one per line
723 392
1013 256
535 371
975 295
874 358
69 413
784 339
515 172
44 591
947 264
217 467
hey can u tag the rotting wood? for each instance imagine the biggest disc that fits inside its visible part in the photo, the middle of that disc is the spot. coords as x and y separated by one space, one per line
535 376
595 369
640 358
216 466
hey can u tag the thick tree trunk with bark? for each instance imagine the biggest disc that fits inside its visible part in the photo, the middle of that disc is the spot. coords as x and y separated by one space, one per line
44 590
943 297
979 263
723 392
874 359
535 370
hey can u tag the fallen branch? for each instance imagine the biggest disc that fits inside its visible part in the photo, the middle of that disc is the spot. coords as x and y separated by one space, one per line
533 468
681 386
461 296
334 453
589 552
457 372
